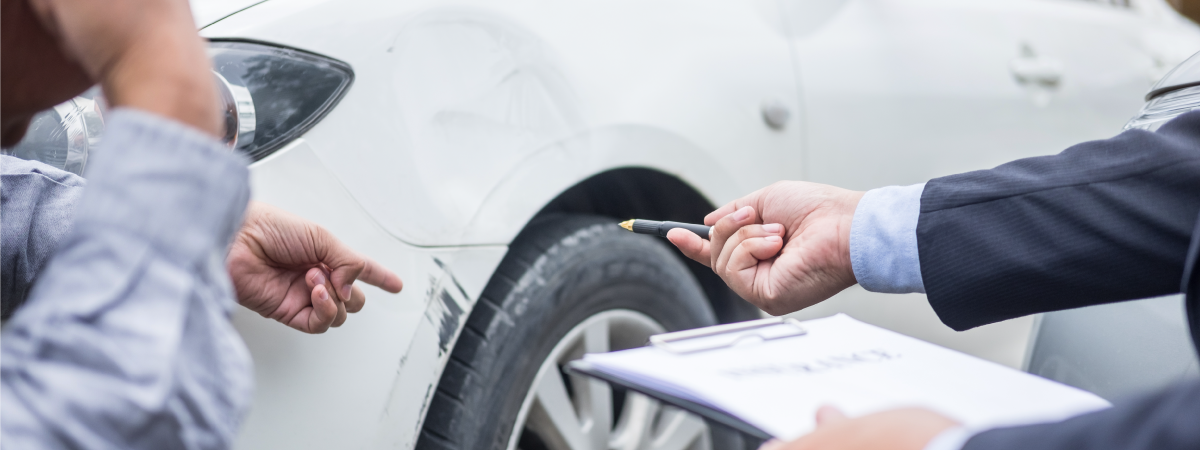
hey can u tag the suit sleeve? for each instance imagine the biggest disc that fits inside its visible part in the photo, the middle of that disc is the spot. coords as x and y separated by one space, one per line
1166 420
1101 222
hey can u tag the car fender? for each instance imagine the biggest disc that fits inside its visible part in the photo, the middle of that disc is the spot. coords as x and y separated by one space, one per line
368 381
452 106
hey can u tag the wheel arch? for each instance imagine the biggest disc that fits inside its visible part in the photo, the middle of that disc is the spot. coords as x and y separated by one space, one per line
639 192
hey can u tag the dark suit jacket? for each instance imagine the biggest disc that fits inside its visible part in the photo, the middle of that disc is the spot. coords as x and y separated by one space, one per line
1101 222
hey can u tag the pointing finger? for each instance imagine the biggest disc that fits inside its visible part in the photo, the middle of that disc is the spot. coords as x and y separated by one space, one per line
347 265
375 274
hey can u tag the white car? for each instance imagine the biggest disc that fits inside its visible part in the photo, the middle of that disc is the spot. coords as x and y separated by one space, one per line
485 151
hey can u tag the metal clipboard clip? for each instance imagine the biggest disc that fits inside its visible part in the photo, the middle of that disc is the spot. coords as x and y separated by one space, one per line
723 336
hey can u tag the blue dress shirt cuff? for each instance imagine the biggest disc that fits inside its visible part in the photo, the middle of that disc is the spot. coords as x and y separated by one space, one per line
952 439
883 240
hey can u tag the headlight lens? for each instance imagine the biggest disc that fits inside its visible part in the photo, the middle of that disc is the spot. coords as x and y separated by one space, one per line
270 96
1185 74
1177 93
63 135
278 93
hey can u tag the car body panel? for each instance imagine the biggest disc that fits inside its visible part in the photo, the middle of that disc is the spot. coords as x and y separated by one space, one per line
350 387
930 88
449 103
207 12
931 92
354 192
1116 351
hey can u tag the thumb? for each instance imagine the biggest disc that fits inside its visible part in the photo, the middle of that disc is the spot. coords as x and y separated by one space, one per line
345 265
343 272
691 245
829 415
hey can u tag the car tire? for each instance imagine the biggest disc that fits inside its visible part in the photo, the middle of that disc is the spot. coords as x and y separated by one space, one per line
562 271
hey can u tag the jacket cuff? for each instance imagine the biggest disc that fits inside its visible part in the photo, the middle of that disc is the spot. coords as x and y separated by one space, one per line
883 240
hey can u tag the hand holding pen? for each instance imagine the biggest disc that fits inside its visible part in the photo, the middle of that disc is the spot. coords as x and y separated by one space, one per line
783 248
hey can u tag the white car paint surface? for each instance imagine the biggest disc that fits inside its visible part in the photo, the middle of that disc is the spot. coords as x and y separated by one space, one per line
465 118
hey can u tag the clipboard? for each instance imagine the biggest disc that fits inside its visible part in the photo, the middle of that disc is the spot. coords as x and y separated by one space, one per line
701 340
766 378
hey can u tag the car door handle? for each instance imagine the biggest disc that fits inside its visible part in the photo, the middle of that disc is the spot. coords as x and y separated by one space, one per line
1040 72
1032 70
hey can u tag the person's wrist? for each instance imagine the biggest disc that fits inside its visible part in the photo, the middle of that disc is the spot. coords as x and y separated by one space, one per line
254 211
146 55
167 74
847 205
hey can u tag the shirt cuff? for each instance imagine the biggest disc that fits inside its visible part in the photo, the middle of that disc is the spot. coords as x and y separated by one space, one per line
883 240
952 439
176 187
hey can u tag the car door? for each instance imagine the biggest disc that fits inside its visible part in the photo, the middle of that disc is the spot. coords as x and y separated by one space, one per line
901 91
1083 65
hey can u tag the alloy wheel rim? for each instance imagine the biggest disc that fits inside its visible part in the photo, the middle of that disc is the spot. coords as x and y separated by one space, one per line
572 412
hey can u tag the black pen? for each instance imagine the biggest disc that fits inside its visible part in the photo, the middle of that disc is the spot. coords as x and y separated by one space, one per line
642 226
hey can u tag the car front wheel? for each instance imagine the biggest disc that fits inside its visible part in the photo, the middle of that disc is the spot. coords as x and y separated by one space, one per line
569 285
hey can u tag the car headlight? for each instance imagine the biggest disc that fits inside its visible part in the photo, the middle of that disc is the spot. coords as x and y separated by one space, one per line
270 96
62 136
277 93
1178 92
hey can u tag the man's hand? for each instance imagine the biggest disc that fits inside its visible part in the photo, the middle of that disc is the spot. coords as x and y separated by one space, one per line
900 429
296 272
783 248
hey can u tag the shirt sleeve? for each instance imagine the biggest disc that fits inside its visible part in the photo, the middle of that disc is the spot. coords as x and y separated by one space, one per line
125 341
37 204
883 240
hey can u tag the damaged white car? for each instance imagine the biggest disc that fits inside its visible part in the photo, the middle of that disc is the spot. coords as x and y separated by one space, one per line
486 150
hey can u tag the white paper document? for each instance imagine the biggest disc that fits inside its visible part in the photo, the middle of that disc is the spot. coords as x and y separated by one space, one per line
777 385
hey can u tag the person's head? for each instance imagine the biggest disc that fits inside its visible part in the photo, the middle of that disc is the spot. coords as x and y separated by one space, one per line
36 73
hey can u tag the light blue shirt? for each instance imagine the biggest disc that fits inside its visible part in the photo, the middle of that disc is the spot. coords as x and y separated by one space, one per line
125 340
883 254
883 240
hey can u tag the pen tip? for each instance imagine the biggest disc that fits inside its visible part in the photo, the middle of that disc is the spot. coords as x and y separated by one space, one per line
628 224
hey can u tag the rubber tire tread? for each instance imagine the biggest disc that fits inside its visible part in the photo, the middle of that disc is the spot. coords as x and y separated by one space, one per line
476 400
